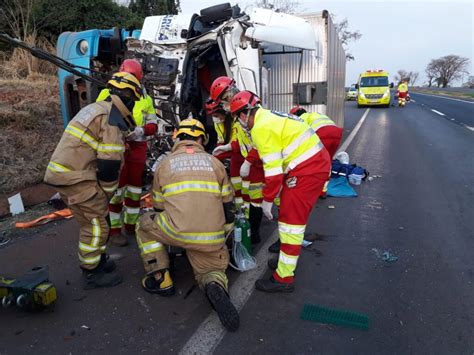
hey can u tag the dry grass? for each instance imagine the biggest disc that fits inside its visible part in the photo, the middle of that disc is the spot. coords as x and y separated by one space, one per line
21 64
30 127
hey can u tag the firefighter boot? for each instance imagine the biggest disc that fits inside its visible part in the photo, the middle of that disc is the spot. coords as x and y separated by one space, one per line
159 283
106 264
273 263
220 301
271 286
255 219
119 240
275 247
98 277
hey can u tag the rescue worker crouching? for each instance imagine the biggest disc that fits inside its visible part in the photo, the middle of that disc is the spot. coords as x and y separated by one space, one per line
130 182
296 165
85 168
192 199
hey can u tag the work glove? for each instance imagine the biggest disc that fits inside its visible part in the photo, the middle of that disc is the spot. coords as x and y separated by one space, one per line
221 149
267 209
245 169
137 133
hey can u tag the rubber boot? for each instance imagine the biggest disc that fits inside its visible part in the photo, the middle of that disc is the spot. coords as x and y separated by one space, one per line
98 278
255 219
272 286
275 247
163 286
220 301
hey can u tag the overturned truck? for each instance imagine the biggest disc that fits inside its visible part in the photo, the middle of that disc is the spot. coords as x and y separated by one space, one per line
287 60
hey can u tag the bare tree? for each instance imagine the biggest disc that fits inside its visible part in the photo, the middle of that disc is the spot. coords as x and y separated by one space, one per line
414 77
430 72
284 6
448 68
18 15
346 36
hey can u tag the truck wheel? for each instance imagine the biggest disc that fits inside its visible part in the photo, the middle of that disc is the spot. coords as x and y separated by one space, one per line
359 105
216 13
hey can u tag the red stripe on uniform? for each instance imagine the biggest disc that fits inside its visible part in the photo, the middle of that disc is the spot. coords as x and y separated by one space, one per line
131 203
117 207
290 249
283 280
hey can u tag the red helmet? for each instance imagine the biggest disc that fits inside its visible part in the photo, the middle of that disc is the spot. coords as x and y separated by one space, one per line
211 106
244 100
297 110
219 86
133 67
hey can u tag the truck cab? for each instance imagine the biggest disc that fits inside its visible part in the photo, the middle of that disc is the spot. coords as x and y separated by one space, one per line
373 89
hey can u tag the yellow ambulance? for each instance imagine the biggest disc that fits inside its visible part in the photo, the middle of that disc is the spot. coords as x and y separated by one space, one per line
373 89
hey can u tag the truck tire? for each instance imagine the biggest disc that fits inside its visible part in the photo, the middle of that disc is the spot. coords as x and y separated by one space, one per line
360 106
216 13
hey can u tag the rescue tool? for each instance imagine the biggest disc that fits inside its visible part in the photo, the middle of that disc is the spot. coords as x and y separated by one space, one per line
32 291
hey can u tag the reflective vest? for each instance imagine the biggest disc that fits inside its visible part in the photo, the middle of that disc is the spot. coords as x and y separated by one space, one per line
143 111
402 87
316 120
283 141
220 130
242 137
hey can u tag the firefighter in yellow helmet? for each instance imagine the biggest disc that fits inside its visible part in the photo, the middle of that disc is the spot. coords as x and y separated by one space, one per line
85 168
192 199
128 193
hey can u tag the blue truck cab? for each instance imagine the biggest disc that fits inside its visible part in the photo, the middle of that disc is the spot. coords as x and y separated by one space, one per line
99 50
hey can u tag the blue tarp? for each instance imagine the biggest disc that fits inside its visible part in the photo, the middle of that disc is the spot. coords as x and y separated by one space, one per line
339 187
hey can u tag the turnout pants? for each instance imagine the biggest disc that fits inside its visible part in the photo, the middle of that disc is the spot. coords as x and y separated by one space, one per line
129 190
236 162
88 203
296 203
209 261
331 138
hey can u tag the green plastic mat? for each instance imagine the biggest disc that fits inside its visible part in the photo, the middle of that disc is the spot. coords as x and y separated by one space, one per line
321 314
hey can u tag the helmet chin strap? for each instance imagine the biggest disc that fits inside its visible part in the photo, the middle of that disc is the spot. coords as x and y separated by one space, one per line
245 124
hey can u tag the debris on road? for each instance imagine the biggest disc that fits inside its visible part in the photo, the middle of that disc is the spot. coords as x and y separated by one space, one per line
16 204
85 327
306 243
321 314
66 213
331 207
386 256
339 187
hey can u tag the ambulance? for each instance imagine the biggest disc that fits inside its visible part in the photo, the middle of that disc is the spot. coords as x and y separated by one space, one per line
373 89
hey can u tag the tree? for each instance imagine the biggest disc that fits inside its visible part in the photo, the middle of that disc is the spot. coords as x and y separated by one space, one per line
470 82
430 73
410 76
146 8
347 36
284 6
447 68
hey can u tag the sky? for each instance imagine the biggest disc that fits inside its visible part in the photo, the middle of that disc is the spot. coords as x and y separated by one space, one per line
396 34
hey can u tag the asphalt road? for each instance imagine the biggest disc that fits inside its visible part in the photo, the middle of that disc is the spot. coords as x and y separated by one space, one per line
420 209
460 111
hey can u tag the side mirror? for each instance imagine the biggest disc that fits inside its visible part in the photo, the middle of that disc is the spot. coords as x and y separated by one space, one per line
357 86
391 85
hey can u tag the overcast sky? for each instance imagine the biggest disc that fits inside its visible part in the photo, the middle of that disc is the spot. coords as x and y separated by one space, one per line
395 34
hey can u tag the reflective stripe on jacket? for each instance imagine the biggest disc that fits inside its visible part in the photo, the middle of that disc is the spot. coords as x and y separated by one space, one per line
283 142
87 138
316 120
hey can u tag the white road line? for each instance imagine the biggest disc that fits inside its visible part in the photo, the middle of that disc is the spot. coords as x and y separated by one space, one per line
439 113
210 333
446 98
469 128
349 139
412 100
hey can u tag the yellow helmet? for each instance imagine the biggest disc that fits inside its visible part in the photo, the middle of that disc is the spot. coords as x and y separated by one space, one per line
123 80
193 128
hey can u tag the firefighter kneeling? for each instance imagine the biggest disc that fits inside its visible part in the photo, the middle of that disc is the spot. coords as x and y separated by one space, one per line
192 198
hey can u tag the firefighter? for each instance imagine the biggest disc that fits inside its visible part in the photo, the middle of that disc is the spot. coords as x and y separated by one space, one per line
296 165
192 199
402 92
246 167
85 168
130 181
222 125
325 128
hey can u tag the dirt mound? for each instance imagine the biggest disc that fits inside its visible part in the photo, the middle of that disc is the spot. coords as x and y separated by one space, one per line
30 128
